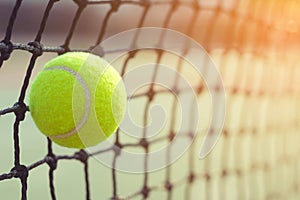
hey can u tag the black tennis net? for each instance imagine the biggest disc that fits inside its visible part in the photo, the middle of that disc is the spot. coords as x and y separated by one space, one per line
255 46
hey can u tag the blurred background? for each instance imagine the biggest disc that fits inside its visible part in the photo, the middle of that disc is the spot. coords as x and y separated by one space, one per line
255 44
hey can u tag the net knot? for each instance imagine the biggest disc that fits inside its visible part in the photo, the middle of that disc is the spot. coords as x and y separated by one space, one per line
37 48
191 178
191 135
199 89
145 191
224 173
98 50
207 176
171 136
150 94
225 132
6 49
238 172
51 161
144 143
175 4
168 186
20 171
115 5
196 5
82 156
145 3
117 148
65 49
132 54
20 110
81 3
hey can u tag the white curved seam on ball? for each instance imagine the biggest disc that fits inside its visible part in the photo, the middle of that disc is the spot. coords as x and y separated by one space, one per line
87 98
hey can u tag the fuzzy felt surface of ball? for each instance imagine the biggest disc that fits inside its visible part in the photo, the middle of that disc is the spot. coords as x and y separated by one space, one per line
77 100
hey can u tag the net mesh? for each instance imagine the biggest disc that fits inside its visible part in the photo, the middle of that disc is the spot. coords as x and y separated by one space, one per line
254 44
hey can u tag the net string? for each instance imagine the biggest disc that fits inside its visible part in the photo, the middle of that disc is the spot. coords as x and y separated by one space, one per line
36 48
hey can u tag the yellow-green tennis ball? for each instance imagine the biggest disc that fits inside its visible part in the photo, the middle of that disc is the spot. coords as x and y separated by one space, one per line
77 100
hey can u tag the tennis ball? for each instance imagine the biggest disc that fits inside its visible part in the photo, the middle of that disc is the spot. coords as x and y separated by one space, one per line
77 100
